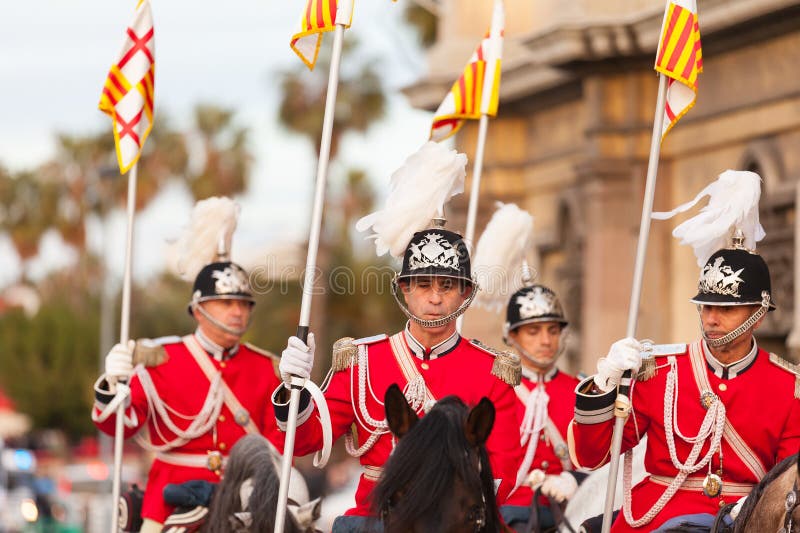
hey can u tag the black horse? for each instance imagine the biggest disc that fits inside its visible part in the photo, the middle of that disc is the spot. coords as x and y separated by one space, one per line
438 478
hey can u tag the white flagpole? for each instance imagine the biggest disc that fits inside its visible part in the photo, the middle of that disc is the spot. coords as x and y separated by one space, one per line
343 11
496 49
124 335
622 404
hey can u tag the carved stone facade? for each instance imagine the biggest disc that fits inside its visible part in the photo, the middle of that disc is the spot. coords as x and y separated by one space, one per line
571 142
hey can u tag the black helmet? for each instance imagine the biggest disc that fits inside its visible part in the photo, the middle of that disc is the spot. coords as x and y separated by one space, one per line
437 252
734 276
219 281
535 303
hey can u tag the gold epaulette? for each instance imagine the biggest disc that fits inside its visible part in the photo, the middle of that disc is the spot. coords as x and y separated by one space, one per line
647 370
507 366
649 367
151 352
792 368
344 354
345 351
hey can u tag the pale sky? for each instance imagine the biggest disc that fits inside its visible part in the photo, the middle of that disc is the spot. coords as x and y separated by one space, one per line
54 57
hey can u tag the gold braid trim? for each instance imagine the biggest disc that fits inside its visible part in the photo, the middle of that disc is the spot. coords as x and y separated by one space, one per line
779 361
344 354
507 366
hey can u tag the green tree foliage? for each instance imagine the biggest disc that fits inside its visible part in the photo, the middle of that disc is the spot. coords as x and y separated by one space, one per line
360 99
48 362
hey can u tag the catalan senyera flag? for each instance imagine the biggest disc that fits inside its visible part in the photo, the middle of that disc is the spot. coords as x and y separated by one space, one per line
477 91
680 58
319 16
128 92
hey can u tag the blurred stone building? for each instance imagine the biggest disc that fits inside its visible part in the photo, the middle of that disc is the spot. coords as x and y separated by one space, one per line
571 140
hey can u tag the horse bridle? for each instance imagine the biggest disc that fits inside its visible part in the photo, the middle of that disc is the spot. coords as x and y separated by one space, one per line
791 503
476 515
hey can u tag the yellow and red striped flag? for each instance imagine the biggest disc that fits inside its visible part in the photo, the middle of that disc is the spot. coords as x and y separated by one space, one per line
319 17
680 58
128 92
477 91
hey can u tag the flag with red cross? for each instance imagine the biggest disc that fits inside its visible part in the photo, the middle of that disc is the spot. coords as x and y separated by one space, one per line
127 95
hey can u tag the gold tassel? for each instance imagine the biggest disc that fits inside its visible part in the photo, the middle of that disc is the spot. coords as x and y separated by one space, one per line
148 353
647 370
797 387
344 354
507 367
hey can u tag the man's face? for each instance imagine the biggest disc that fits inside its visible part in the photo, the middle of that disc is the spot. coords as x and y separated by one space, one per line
540 341
433 297
233 313
719 320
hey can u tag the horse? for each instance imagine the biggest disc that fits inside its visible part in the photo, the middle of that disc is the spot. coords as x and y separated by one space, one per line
247 497
438 477
773 504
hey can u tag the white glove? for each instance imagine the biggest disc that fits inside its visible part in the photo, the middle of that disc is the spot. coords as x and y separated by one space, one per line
119 361
560 488
297 359
623 355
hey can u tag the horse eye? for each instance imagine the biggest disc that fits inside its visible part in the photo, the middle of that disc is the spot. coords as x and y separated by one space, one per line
475 514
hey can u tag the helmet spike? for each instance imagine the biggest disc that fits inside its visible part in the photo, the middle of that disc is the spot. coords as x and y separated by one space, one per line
438 222
737 241
527 273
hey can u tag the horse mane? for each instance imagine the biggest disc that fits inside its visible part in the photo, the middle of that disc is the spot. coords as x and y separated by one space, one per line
755 495
432 456
250 457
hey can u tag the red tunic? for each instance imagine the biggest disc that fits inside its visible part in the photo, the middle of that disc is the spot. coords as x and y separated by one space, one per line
560 408
760 406
183 387
466 372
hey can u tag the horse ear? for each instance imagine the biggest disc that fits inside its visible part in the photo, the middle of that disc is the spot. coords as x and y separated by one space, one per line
479 422
399 415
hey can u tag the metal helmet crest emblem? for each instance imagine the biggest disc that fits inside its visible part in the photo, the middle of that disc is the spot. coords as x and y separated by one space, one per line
720 278
434 251
536 302
230 280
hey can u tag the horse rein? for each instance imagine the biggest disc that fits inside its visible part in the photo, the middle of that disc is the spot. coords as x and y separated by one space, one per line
791 503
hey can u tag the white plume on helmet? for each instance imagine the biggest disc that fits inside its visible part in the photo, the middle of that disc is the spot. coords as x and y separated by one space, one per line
207 237
418 191
500 255
732 204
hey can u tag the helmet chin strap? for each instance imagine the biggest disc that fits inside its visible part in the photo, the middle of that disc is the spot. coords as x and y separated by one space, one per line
435 323
227 329
746 325
528 357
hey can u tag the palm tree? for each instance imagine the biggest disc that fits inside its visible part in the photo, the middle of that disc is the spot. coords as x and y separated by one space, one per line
227 161
360 100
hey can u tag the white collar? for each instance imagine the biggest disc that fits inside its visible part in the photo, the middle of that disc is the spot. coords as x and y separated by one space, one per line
215 350
731 370
443 348
537 377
